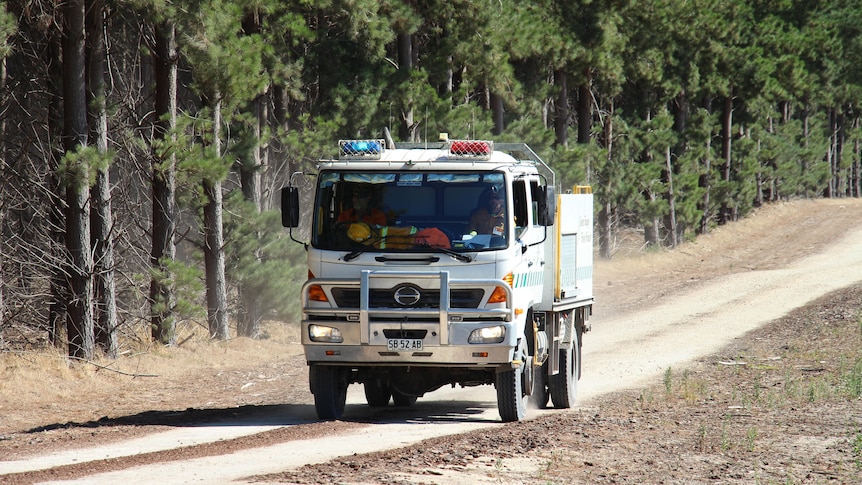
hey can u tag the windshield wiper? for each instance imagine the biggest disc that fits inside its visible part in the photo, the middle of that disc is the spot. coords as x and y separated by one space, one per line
464 258
355 253
368 244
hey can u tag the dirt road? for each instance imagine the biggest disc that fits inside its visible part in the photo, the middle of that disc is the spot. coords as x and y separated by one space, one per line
654 312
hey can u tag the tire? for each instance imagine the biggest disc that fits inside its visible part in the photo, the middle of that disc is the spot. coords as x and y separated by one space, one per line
330 391
403 400
511 400
564 385
541 394
377 395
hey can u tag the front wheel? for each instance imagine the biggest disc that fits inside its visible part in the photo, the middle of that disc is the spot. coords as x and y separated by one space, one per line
511 399
330 390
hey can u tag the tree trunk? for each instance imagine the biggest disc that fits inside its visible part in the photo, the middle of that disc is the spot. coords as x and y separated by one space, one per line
216 288
585 108
3 168
561 109
726 169
249 314
407 130
672 239
703 182
497 112
759 196
856 182
79 319
162 294
605 215
653 226
56 196
680 109
101 220
831 156
840 133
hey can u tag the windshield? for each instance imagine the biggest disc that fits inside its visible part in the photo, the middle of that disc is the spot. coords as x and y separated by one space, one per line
411 211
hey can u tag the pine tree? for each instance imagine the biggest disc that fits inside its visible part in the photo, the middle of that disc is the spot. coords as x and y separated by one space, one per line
7 29
101 219
228 74
75 174
162 156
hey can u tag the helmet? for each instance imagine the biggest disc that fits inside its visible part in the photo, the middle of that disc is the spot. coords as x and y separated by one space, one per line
359 231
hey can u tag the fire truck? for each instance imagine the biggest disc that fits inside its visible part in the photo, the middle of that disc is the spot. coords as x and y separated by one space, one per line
449 263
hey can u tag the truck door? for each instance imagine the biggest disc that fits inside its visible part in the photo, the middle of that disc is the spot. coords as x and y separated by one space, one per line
530 236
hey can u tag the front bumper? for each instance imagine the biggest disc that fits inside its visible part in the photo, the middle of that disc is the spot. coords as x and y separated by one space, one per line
444 330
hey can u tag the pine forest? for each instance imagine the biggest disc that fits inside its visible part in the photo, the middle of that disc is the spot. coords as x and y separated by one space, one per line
144 143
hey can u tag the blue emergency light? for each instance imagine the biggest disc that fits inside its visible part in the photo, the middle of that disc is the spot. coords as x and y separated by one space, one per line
360 148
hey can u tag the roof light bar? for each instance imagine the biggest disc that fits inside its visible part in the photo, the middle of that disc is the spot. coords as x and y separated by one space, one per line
471 149
361 149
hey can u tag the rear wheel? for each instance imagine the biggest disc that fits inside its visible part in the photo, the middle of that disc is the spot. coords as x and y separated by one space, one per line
403 400
511 400
541 394
377 395
330 390
564 385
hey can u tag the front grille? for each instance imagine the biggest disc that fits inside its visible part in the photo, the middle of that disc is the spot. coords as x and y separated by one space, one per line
402 333
385 298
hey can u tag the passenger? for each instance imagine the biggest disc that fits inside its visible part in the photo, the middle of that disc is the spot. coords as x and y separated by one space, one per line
490 216
362 210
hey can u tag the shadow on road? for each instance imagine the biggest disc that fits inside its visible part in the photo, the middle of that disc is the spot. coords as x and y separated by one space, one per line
423 412
257 415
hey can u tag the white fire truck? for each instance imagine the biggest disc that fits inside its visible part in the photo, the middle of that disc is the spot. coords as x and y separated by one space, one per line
447 263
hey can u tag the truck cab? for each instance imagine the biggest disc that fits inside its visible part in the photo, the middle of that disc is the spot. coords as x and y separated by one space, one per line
439 264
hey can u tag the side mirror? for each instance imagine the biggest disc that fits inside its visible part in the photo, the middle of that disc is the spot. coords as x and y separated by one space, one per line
289 206
547 206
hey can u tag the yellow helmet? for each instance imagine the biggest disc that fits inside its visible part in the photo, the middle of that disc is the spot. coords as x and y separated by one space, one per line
359 231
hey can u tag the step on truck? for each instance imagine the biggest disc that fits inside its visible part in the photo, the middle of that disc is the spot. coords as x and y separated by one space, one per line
450 263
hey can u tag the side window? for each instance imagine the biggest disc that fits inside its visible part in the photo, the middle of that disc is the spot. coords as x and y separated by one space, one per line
519 196
535 191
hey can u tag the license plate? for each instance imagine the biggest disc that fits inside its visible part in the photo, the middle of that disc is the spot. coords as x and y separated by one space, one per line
403 344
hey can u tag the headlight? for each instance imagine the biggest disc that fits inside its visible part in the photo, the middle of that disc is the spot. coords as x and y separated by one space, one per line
488 335
319 333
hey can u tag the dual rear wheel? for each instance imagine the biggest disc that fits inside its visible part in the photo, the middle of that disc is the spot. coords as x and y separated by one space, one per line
561 388
377 395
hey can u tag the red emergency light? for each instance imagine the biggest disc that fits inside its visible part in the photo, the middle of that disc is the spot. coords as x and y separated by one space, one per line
471 148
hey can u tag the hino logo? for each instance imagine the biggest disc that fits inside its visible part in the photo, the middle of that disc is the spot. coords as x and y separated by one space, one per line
407 295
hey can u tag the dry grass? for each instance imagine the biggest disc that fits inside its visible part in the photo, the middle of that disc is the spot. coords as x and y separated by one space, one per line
42 380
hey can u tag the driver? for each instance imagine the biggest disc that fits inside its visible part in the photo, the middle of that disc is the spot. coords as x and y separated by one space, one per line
490 216
362 210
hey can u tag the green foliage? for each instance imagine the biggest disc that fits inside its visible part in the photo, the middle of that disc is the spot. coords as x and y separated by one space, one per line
574 165
856 441
654 75
307 146
7 30
79 169
853 379
186 283
263 259
196 159
225 65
